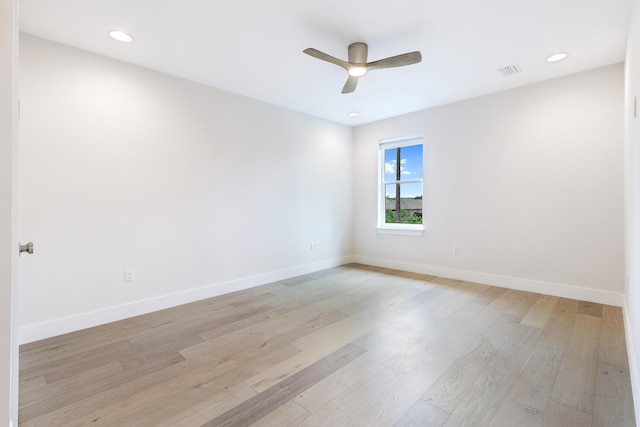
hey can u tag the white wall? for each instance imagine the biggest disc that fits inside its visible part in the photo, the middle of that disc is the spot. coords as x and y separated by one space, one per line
528 183
632 199
199 190
8 208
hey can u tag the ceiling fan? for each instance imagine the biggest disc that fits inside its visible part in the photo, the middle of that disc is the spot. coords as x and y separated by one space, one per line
357 66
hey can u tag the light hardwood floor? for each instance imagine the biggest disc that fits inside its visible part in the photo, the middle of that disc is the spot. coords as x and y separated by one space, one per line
349 346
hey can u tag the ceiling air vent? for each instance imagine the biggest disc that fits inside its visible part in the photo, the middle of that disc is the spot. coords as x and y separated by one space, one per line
510 70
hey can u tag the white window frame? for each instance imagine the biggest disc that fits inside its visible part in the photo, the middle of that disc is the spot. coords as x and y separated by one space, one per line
392 228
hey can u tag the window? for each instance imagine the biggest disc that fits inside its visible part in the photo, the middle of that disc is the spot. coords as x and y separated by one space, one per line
400 193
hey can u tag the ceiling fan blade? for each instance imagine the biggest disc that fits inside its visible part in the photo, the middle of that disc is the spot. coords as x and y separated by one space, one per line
321 55
350 85
396 61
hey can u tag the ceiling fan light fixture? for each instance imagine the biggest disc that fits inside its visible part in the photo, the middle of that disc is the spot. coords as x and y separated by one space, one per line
357 65
121 36
357 71
557 57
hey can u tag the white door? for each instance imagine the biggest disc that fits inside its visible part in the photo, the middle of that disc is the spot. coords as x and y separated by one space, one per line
8 213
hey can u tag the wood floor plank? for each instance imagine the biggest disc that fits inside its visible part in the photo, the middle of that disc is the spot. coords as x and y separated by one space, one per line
526 402
613 347
558 414
462 293
318 291
384 298
590 309
354 375
514 304
613 404
203 324
461 331
445 281
64 392
316 345
257 360
80 361
274 374
146 354
423 414
217 330
451 387
267 401
288 415
69 345
250 299
483 398
252 337
540 312
576 380
559 328
64 415
396 400
412 354
166 399
487 296
29 386
410 316
336 335
206 410
81 341
307 313
340 410
318 323
478 339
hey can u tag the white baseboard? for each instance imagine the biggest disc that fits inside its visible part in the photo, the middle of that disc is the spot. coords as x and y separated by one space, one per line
632 356
548 288
35 332
80 321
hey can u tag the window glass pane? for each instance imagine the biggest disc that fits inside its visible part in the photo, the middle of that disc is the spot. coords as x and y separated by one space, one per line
410 163
410 203
400 193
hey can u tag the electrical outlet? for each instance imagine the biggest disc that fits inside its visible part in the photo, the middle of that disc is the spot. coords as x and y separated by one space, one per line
129 275
456 250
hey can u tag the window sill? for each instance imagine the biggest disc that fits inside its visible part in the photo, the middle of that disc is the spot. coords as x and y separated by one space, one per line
401 230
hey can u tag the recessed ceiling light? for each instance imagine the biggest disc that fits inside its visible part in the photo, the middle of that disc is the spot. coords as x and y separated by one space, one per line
557 57
121 36
353 114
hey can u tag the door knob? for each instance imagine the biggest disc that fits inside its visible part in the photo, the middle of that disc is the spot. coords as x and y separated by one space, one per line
28 248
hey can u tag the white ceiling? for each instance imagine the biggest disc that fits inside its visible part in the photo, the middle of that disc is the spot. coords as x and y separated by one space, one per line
254 47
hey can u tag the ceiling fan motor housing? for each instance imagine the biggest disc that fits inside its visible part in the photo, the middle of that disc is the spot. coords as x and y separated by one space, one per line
358 53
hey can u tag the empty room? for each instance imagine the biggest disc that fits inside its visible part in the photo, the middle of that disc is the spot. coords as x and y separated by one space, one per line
279 213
